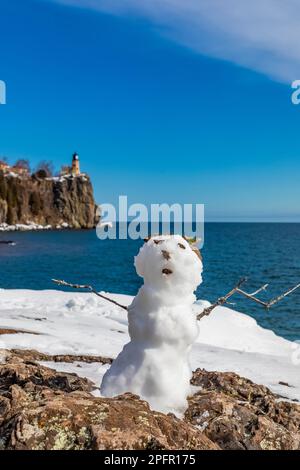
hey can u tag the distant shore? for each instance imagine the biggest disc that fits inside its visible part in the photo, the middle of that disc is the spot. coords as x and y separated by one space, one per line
31 226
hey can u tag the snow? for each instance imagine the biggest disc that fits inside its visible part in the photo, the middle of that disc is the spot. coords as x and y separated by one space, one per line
162 327
29 226
62 178
83 324
225 328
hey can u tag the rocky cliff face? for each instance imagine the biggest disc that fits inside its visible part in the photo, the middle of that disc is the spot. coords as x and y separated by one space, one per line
47 201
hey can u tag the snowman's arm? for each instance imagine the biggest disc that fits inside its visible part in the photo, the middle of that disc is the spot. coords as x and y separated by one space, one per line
90 288
221 300
237 290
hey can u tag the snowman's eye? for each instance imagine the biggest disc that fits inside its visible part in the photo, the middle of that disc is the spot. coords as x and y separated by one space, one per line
167 271
166 254
181 246
157 242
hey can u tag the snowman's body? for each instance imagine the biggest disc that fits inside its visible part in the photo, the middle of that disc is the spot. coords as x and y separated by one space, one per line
162 327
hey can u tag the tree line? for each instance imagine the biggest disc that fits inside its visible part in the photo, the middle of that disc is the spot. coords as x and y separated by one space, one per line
44 169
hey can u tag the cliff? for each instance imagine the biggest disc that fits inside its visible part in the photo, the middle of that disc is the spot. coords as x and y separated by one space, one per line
47 201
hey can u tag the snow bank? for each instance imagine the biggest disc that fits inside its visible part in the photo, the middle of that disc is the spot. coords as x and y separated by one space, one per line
229 329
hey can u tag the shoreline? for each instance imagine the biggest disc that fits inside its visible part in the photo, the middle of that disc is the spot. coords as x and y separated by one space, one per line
32 227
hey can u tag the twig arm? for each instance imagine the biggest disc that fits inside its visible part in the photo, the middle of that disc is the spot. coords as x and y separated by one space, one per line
87 287
237 290
282 296
251 297
221 300
264 287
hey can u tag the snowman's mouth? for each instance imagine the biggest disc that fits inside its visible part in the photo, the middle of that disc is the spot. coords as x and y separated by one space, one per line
167 271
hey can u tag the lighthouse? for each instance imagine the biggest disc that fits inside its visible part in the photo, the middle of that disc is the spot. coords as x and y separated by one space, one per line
75 165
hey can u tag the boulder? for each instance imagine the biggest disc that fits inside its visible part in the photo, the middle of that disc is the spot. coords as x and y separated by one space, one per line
44 409
237 414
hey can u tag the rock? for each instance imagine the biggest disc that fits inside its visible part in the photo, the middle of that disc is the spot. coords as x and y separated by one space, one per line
235 413
43 409
66 201
32 355
12 331
16 371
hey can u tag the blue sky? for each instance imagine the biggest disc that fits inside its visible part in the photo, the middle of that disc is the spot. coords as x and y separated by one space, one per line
162 103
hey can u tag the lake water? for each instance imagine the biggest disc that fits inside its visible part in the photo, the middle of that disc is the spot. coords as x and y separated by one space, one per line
264 252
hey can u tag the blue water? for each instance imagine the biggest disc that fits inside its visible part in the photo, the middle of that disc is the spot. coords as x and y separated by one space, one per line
265 253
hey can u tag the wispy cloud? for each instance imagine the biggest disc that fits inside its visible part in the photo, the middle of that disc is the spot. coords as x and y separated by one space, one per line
262 35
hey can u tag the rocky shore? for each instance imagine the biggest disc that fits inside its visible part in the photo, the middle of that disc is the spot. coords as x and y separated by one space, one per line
41 408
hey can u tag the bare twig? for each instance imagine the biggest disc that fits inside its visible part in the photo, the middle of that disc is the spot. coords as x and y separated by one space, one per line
252 297
221 300
237 290
264 287
90 288
272 302
282 296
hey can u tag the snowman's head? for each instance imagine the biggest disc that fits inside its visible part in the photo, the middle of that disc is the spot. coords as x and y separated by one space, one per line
168 263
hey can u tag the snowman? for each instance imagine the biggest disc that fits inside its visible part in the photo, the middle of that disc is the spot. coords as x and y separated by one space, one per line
162 327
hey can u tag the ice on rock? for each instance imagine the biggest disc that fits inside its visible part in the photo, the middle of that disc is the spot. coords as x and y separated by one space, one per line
162 327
